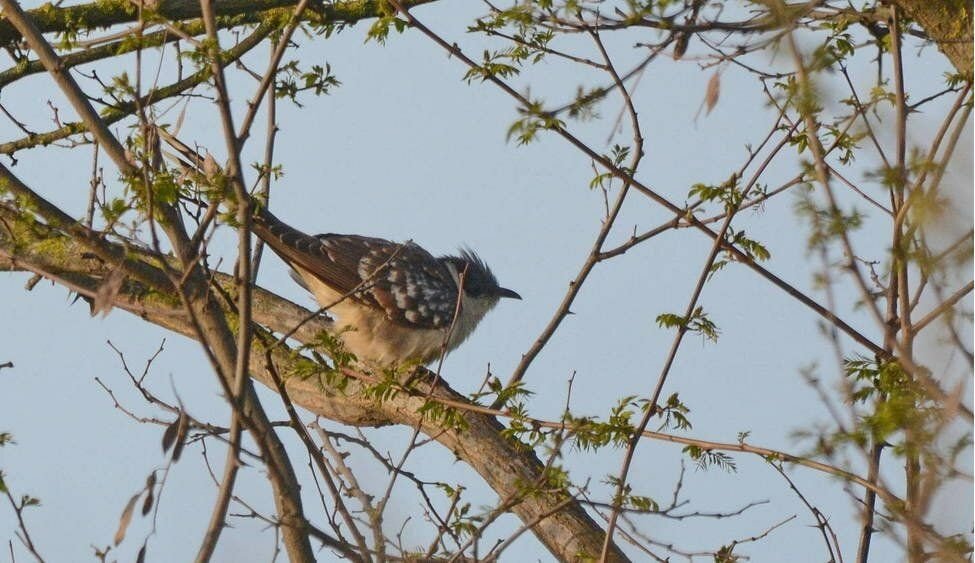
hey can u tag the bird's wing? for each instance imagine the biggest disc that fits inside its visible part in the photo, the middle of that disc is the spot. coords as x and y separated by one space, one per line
409 285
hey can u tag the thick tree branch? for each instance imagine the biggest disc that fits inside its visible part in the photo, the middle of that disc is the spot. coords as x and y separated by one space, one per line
949 25
106 13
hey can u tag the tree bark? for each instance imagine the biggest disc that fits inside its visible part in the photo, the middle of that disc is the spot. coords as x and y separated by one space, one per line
107 13
949 25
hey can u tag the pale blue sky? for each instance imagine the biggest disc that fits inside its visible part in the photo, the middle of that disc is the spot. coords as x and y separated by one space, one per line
405 149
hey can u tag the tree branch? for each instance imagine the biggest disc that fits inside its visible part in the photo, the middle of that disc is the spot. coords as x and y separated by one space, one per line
106 13
949 25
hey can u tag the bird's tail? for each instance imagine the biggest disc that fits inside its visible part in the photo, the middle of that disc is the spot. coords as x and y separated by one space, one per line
287 242
292 245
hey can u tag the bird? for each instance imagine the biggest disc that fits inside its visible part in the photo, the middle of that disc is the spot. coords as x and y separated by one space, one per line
396 304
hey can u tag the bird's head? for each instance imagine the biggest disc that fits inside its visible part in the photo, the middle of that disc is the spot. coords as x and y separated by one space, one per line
479 280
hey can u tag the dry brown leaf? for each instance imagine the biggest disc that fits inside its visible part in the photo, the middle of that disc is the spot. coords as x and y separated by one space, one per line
155 149
169 436
141 557
183 427
107 291
125 519
680 45
710 95
179 120
148 502
210 167
713 92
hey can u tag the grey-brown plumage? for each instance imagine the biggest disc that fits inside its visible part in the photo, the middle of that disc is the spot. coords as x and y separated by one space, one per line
395 302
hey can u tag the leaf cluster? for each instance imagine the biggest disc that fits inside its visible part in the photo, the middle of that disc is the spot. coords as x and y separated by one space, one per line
729 193
293 80
617 155
626 499
899 402
503 395
827 223
698 322
534 119
446 417
590 434
706 458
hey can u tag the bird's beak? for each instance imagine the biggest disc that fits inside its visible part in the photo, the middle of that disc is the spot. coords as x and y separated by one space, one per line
502 292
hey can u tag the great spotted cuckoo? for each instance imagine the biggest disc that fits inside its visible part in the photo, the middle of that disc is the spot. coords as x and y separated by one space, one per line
394 302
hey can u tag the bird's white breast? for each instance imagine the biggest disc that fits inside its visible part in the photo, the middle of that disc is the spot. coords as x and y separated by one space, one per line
370 335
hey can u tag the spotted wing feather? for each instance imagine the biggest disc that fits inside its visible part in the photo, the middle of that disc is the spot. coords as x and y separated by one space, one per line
409 285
